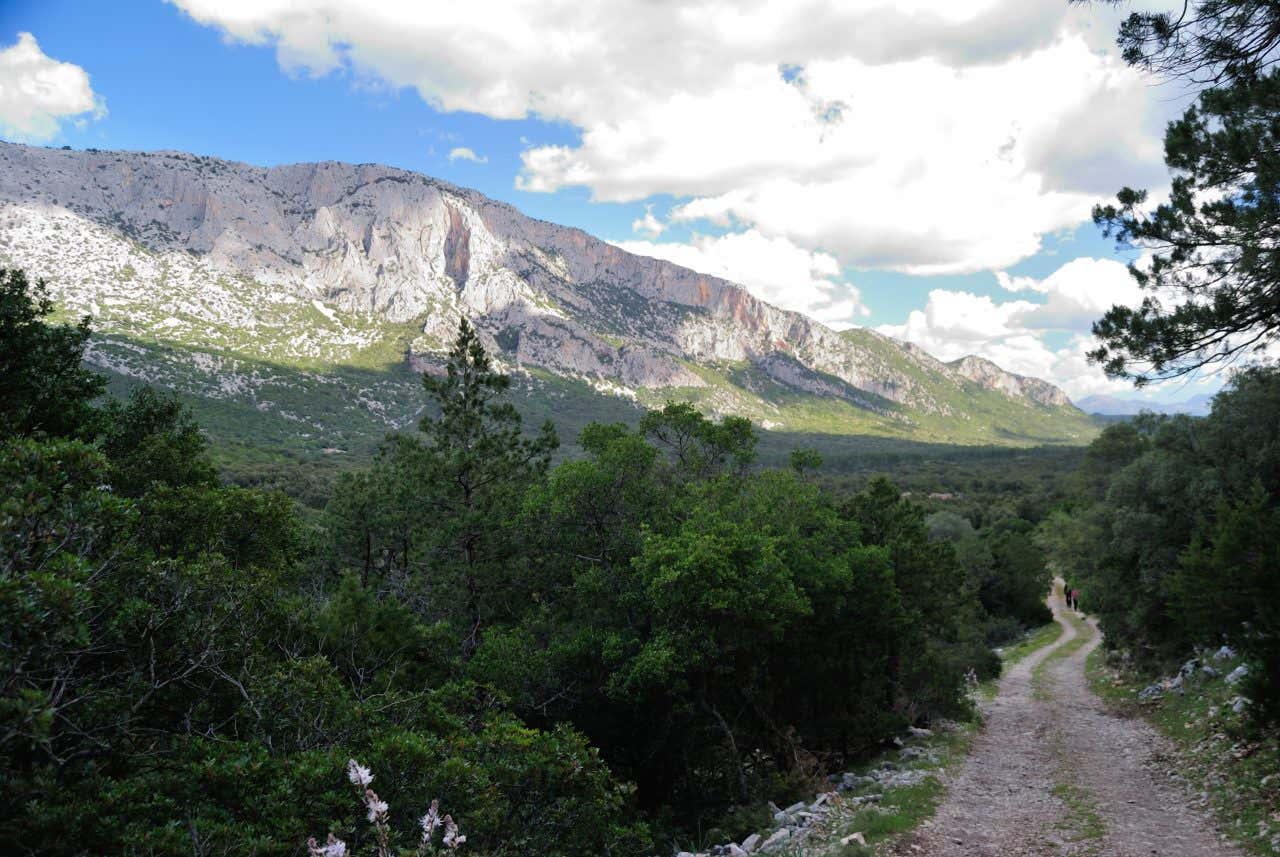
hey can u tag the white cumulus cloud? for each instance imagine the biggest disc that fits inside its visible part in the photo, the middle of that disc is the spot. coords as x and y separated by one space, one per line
1079 293
648 225
926 136
463 153
772 269
38 93
1014 333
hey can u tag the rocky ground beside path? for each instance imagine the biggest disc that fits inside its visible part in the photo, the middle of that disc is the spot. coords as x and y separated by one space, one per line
1054 772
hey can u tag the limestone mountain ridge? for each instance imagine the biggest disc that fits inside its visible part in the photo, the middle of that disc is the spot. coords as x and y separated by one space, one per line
320 264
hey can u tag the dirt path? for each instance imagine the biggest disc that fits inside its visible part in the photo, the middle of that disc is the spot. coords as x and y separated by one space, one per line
1054 773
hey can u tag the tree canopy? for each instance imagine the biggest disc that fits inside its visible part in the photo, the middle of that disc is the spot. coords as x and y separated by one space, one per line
43 388
1174 536
1210 268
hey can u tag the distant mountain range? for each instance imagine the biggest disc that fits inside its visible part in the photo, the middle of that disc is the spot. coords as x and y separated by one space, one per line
1120 406
297 302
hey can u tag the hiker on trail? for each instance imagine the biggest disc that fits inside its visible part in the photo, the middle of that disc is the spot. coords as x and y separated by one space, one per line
1075 600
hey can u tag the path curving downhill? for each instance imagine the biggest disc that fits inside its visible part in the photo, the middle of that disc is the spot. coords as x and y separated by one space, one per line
1053 772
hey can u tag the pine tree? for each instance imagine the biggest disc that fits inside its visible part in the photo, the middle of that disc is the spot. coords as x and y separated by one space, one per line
476 465
1213 278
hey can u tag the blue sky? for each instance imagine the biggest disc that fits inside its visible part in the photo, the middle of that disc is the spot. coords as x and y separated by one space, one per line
863 180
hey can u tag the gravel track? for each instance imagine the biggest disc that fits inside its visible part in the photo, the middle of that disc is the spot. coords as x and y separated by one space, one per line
1053 772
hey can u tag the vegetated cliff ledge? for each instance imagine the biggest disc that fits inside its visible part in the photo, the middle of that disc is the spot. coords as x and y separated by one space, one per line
328 263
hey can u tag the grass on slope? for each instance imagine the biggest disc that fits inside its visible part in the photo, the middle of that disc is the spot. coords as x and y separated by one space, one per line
295 427
974 409
970 415
351 400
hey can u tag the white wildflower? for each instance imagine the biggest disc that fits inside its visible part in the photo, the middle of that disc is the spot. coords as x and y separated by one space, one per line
334 847
378 817
430 821
377 808
358 773
452 836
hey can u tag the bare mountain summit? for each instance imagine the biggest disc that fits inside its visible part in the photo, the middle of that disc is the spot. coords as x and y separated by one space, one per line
221 279
992 377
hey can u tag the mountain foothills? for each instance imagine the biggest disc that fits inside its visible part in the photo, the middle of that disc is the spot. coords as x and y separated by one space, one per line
297 304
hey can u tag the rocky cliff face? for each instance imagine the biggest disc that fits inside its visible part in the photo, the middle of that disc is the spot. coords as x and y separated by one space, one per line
316 262
992 377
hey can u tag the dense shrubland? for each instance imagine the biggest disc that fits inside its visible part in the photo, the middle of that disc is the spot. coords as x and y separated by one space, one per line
596 657
1005 569
1174 534
1173 529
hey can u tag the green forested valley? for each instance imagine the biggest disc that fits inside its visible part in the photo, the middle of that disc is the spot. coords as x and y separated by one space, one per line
640 429
638 645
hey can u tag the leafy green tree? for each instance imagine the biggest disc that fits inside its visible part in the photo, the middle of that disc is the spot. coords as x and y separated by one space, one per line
1005 570
805 460
592 513
109 652
374 522
353 525
832 703
931 582
1156 504
700 447
378 643
43 388
1116 447
972 553
711 705
161 670
943 632
1239 437
1074 542
57 531
154 440
585 612
1227 587
719 594
672 587
246 527
1172 538
1019 580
